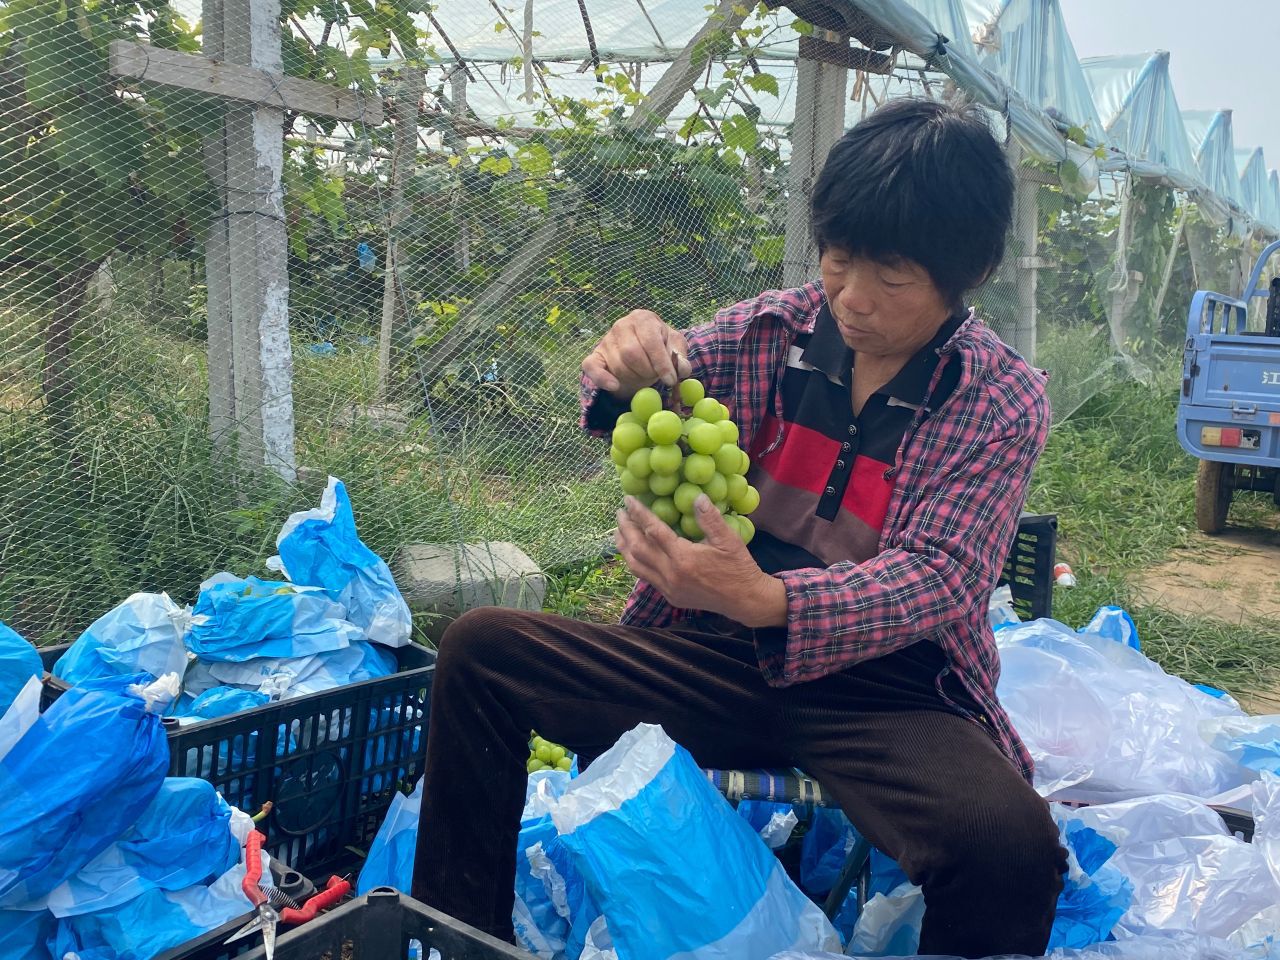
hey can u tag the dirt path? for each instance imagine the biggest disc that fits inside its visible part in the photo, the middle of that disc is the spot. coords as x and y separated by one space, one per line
1233 577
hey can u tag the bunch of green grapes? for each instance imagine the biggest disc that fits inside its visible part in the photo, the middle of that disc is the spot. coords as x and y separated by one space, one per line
545 755
666 460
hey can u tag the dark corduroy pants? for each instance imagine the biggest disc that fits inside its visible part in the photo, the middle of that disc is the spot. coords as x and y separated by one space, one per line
925 785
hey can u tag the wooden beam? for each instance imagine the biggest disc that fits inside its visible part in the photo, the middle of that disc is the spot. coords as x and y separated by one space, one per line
188 71
843 55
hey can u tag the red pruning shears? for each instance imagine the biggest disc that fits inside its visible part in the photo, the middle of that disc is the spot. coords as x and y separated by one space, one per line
265 900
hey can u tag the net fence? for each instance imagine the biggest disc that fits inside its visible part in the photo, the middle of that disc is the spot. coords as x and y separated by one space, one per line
200 276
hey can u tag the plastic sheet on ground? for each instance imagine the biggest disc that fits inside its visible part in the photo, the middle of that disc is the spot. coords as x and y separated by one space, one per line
1141 948
238 619
321 548
78 778
644 809
19 662
141 635
390 859
1102 721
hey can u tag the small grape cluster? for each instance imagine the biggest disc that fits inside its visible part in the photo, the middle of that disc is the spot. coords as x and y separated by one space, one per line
666 460
545 755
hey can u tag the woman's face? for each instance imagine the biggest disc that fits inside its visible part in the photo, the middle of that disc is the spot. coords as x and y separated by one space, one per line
882 309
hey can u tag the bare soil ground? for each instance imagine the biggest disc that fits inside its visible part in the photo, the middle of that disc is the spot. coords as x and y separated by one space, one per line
1233 577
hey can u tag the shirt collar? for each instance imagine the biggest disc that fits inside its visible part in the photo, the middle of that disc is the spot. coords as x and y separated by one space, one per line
828 352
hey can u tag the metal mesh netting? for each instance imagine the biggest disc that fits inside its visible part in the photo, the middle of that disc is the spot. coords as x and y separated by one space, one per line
217 290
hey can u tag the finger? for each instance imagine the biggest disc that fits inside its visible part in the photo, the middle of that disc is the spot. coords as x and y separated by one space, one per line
649 524
653 341
635 550
629 358
715 530
597 371
677 344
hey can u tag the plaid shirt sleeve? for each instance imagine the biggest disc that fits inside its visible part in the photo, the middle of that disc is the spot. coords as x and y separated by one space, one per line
965 492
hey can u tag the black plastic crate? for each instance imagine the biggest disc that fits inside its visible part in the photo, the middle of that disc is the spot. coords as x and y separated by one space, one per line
377 926
1029 568
329 763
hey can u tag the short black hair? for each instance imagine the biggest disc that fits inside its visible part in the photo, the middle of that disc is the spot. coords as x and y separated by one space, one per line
922 180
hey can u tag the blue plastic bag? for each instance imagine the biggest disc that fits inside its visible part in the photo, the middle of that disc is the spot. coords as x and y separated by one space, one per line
154 921
390 859
182 839
221 701
826 846
644 810
19 662
320 548
239 620
25 934
141 635
76 780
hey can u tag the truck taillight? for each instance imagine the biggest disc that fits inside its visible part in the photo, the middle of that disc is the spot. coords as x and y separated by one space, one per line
1230 437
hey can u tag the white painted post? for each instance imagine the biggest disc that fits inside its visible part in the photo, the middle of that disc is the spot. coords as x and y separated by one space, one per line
1026 225
250 360
821 89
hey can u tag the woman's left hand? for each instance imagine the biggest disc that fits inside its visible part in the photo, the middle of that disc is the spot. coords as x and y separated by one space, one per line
717 574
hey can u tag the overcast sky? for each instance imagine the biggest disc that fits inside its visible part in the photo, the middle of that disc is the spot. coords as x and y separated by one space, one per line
1223 54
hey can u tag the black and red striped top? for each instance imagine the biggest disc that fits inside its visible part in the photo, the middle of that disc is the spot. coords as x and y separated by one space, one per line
823 490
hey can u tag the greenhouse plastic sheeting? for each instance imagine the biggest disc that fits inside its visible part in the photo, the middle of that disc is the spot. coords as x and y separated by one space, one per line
1139 110
1212 140
1027 45
1254 184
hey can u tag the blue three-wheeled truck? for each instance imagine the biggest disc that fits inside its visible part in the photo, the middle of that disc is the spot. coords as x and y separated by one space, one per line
1229 410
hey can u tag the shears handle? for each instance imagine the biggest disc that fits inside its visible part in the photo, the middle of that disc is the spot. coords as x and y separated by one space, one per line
252 882
335 890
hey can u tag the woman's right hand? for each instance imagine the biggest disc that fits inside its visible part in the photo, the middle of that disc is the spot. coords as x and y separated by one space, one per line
637 352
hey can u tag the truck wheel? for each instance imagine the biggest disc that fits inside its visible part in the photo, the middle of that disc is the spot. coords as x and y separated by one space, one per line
1214 488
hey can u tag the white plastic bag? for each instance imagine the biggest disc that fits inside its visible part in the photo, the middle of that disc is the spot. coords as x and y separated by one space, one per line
141 635
1104 722
675 871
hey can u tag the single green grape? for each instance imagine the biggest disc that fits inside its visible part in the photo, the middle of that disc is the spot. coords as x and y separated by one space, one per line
691 391
705 438
617 456
708 409
748 502
646 402
663 428
543 753
564 764
684 496
632 484
699 468
666 510
557 754
728 431
629 437
690 424
534 765
728 458
638 462
748 529
737 485
664 484
690 528
716 488
628 417
745 465
666 459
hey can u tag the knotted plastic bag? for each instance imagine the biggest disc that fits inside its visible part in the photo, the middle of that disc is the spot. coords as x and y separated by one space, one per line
674 870
141 635
19 662
320 548
239 619
79 777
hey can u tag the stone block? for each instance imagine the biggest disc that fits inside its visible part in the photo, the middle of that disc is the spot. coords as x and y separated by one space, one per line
447 579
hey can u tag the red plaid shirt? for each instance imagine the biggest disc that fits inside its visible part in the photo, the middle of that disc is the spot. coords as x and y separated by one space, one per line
960 476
